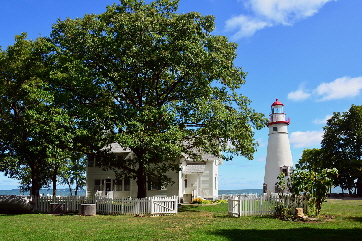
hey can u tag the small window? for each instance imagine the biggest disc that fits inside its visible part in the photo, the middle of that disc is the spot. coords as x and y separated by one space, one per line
277 189
117 185
154 184
284 169
98 185
127 185
275 128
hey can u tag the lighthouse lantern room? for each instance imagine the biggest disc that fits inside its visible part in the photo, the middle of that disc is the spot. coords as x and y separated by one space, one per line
279 157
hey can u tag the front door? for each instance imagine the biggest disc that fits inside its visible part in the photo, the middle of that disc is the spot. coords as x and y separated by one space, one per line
108 185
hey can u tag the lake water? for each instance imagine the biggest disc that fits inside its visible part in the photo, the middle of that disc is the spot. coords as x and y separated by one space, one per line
66 192
60 192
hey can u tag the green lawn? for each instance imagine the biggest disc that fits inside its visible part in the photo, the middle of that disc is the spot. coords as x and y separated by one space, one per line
191 223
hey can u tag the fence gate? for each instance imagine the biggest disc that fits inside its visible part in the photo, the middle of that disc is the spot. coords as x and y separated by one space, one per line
249 205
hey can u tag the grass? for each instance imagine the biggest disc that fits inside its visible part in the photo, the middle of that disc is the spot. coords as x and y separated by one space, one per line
209 222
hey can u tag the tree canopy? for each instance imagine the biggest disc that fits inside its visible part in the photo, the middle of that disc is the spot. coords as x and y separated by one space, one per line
145 74
155 81
34 133
341 148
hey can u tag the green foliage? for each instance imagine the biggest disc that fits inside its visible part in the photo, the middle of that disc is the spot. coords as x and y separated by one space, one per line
307 184
74 173
33 132
142 75
288 200
342 147
155 81
200 201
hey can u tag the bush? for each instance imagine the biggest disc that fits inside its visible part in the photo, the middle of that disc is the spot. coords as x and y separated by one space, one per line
200 201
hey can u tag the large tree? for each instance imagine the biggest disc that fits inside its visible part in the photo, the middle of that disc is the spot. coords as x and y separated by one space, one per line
34 134
155 81
342 147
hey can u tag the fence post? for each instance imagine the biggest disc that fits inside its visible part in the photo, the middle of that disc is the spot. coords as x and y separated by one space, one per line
261 205
176 204
151 204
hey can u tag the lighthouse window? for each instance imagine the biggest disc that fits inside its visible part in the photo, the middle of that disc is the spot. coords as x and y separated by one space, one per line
275 128
284 169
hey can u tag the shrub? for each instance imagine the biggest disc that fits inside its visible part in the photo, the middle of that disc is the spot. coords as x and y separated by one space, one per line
200 201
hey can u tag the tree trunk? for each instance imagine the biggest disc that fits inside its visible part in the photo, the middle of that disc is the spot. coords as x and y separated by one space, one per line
359 187
141 181
76 185
35 187
54 180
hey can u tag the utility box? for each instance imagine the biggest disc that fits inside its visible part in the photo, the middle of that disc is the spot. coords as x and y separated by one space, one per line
57 208
88 209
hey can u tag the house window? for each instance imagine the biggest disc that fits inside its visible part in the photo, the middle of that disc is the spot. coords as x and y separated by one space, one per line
127 185
121 185
275 128
98 185
155 184
117 185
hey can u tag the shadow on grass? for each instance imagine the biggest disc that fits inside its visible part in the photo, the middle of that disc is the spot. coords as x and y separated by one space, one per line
298 234
356 219
11 214
188 209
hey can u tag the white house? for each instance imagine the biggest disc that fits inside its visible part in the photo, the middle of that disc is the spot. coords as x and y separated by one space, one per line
196 179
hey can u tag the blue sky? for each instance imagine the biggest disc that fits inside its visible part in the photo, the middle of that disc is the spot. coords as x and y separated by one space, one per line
308 54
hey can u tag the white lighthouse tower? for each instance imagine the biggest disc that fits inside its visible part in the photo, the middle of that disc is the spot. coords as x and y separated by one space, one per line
279 156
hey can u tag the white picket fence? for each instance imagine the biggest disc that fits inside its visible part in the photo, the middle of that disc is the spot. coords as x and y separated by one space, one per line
114 206
134 206
252 205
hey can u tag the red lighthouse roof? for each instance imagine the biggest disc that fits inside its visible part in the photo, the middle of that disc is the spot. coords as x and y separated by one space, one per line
277 102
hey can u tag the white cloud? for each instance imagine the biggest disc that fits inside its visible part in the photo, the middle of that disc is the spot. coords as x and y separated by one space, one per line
305 139
345 87
298 95
267 13
246 26
340 88
322 121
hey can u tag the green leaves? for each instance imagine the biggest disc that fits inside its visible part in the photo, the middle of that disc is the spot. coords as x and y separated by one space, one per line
138 74
144 72
35 133
342 146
